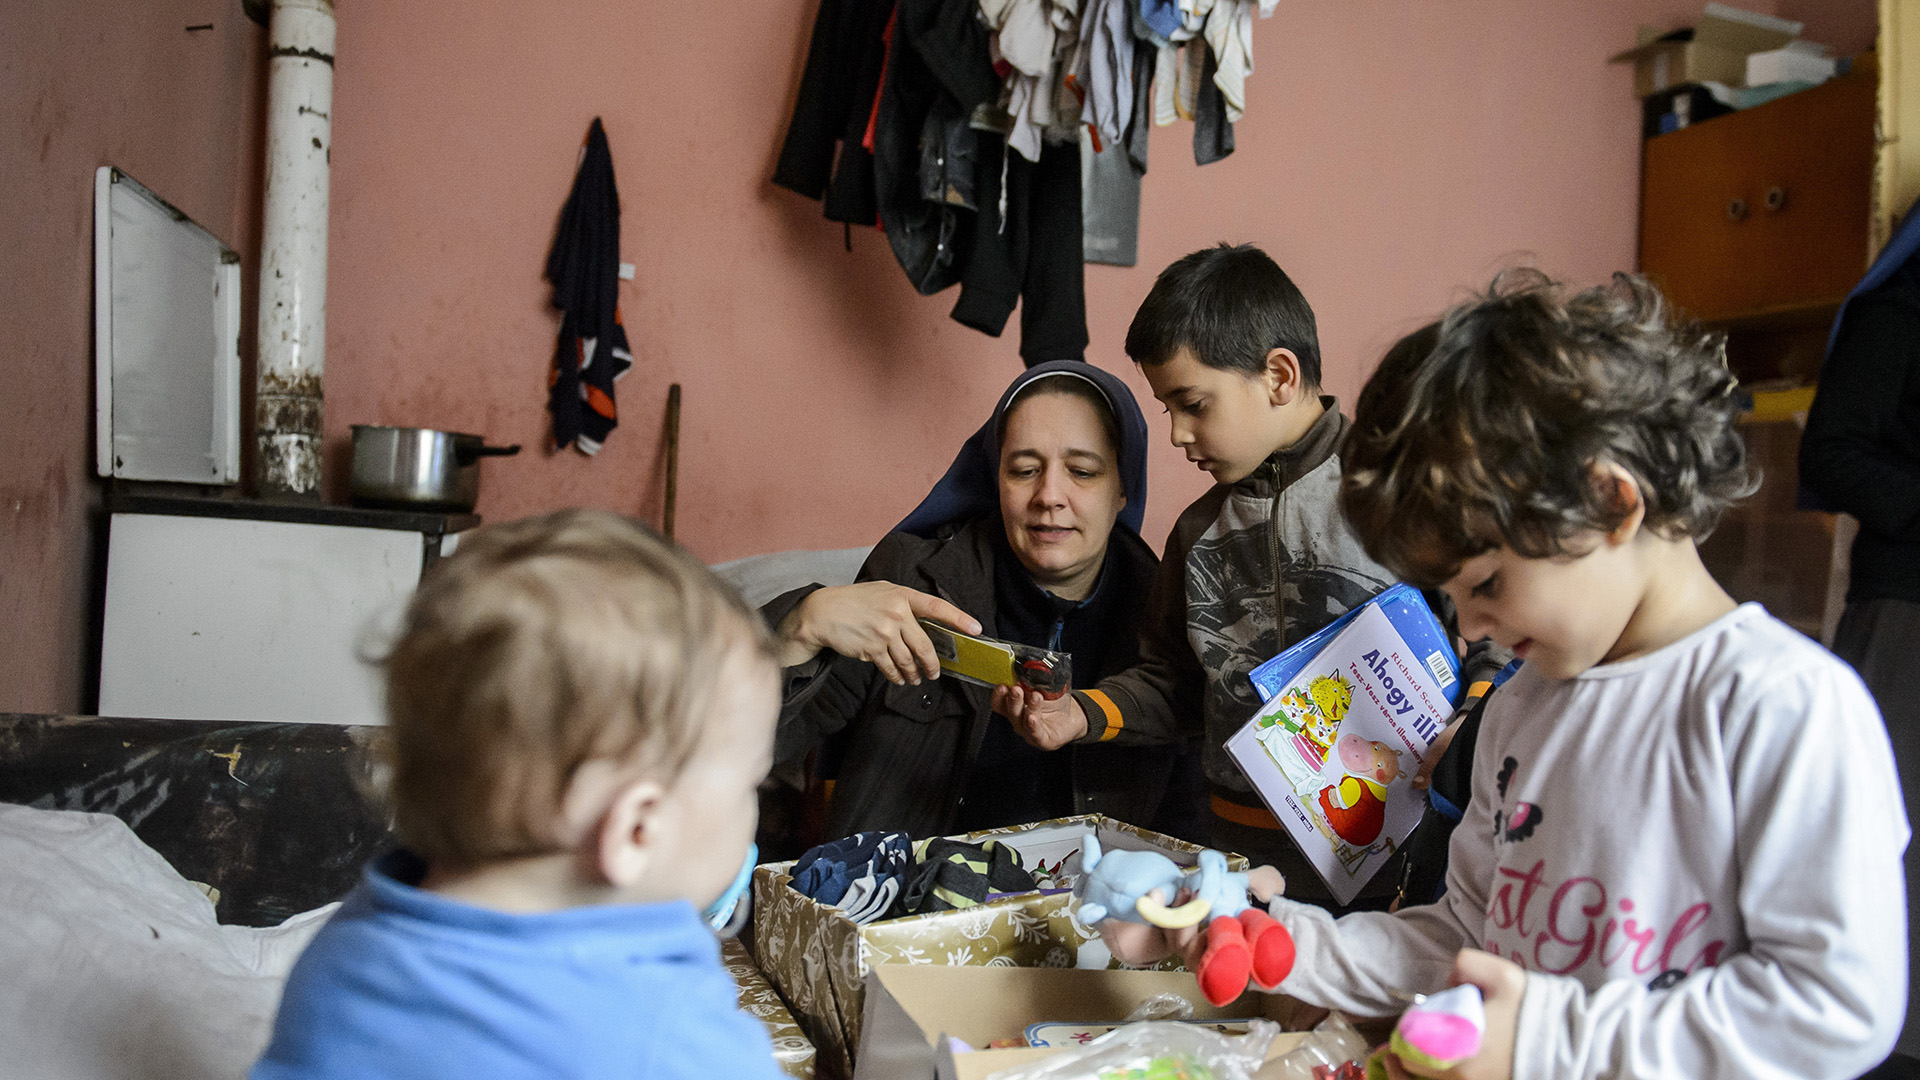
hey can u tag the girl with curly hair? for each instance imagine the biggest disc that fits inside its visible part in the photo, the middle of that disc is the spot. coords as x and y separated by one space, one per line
1681 857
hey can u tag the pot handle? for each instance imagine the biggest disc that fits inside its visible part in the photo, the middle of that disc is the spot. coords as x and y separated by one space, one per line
467 453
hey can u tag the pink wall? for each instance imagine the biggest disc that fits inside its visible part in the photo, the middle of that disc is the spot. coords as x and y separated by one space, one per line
1393 154
90 83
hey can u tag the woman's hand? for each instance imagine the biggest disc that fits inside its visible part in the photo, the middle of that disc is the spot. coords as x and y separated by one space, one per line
1045 725
1502 983
873 621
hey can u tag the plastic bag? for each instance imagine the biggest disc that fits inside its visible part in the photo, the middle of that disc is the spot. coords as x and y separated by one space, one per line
1156 1051
1332 1051
1162 1007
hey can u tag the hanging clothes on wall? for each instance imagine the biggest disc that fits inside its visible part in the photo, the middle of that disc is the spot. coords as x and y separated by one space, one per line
1000 143
1141 124
1109 177
1201 65
1029 239
955 45
1212 127
1037 39
1229 34
925 153
825 156
1106 45
584 267
895 88
1027 250
1109 201
1155 21
1176 85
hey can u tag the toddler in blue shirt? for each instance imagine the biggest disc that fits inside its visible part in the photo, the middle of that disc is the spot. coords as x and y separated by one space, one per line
580 714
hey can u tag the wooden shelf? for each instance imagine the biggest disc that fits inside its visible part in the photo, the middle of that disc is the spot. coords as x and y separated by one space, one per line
1801 315
1762 217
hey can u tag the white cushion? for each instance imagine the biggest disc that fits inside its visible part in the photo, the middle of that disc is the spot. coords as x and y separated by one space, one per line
760 578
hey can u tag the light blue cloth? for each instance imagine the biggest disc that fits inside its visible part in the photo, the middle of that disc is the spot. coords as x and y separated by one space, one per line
404 983
1160 19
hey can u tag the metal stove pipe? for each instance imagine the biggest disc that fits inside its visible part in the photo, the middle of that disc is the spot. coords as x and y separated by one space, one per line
293 248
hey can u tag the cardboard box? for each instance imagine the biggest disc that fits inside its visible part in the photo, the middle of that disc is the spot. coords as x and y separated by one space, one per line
758 999
912 1011
1722 40
818 959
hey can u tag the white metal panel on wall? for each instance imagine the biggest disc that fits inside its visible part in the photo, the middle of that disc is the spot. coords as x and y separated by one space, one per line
232 619
166 340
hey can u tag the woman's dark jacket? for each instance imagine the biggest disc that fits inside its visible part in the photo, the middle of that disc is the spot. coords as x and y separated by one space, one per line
905 751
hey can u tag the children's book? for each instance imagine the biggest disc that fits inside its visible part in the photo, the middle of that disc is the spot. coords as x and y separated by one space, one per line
1349 713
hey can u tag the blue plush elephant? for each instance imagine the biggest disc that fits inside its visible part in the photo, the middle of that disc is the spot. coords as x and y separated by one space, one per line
1112 884
1127 895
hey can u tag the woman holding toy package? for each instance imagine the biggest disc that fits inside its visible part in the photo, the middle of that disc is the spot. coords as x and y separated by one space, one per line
1032 536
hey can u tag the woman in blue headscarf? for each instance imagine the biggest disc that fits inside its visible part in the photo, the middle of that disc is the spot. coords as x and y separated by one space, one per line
1031 536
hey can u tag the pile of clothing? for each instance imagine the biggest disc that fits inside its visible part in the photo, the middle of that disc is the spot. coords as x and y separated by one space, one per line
874 875
1000 143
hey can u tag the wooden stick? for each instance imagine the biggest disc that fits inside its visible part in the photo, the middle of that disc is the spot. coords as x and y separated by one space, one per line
673 456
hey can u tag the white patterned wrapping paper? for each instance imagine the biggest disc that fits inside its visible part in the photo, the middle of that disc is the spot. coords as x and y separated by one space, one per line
758 999
818 958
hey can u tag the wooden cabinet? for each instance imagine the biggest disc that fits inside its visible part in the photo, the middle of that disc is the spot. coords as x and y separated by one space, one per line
1758 224
1765 212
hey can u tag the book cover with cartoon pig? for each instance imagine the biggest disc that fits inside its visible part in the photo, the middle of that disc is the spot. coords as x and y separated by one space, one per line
1332 753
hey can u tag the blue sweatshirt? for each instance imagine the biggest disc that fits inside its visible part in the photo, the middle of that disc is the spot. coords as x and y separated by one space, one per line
404 983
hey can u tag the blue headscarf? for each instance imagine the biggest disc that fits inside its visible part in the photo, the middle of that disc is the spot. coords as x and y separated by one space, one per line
971 486
1902 247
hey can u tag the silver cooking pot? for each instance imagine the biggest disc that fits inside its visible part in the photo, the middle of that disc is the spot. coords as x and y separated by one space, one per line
418 468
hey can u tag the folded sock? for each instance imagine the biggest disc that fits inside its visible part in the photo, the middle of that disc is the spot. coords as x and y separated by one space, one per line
949 874
869 898
828 871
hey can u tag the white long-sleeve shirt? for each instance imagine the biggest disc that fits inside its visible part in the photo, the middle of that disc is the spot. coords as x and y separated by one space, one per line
1694 853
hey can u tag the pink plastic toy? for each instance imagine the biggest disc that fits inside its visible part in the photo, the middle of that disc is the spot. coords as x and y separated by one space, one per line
1437 1032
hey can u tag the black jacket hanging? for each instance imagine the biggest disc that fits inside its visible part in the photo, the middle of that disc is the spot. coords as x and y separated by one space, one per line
584 267
836 101
1032 258
922 145
908 75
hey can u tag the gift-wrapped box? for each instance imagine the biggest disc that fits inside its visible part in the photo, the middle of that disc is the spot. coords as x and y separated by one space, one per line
758 999
818 958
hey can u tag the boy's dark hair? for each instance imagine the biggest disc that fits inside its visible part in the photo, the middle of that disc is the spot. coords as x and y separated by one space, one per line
1483 429
1231 306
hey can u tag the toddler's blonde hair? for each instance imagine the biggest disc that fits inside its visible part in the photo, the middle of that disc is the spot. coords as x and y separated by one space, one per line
540 645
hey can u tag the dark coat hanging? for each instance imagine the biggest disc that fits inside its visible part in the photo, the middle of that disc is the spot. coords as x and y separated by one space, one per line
584 267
